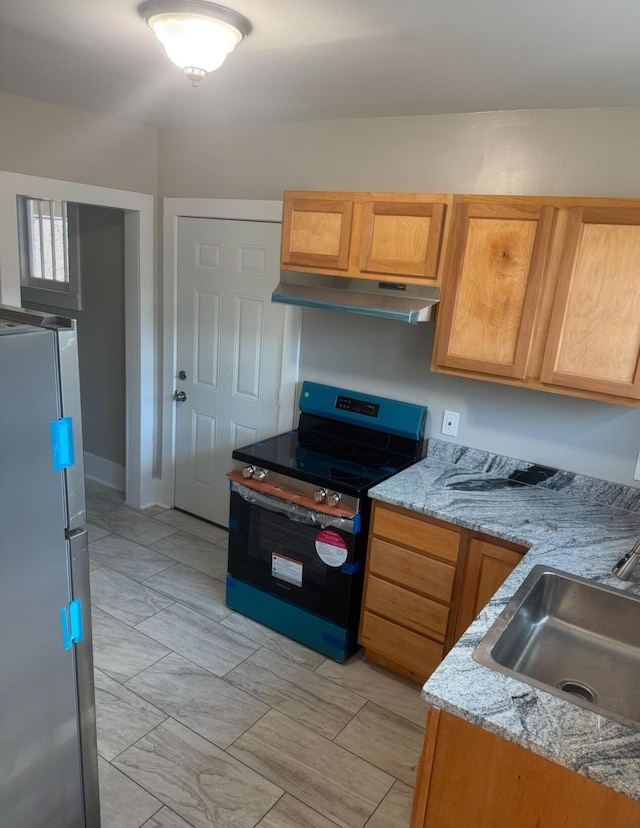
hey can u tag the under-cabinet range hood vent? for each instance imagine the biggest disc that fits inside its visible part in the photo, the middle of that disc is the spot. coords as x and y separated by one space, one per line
385 300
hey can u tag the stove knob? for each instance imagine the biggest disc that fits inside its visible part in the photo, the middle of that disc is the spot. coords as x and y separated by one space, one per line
259 474
320 495
333 498
247 472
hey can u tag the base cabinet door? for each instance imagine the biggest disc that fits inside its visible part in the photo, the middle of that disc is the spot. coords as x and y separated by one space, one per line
469 777
488 567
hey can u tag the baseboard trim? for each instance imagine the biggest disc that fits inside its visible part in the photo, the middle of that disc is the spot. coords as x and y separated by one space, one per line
104 471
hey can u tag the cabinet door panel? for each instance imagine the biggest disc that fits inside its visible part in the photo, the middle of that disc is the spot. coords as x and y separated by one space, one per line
428 537
419 654
488 567
594 333
412 569
316 233
402 238
474 778
408 608
497 257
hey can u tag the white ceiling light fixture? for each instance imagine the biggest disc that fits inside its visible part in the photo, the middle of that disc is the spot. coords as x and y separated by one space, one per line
197 35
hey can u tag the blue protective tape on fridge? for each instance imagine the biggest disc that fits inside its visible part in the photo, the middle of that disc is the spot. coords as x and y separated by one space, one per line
62 451
71 622
233 525
75 618
66 635
297 623
349 569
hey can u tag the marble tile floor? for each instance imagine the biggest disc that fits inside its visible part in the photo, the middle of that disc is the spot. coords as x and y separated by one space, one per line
209 720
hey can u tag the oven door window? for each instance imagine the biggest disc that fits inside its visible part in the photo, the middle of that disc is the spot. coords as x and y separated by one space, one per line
315 567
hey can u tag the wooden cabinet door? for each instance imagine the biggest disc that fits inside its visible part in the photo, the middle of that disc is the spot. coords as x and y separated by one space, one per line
473 778
496 260
316 232
488 566
402 238
594 332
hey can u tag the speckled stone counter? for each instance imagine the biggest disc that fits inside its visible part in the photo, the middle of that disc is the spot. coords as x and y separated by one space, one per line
571 533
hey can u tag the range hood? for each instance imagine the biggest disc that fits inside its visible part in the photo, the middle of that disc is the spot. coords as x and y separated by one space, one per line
385 300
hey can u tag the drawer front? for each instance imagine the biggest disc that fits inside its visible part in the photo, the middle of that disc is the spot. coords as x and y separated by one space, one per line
419 654
411 569
407 608
437 541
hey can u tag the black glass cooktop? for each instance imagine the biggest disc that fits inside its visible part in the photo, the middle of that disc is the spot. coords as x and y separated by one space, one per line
340 457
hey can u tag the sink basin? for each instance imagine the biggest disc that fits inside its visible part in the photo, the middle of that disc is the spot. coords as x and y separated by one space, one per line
573 638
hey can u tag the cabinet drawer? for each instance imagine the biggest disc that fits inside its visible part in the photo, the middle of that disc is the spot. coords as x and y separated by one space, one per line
407 608
427 537
411 569
419 654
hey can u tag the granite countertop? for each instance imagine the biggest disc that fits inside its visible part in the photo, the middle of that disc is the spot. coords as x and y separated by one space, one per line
563 529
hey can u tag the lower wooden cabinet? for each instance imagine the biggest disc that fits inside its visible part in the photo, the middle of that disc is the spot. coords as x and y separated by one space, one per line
470 777
425 582
488 566
411 581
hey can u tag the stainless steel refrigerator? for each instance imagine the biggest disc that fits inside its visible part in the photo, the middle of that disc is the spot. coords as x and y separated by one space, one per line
48 756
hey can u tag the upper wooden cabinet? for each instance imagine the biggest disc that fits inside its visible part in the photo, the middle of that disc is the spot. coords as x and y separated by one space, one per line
316 232
594 331
544 293
497 256
400 237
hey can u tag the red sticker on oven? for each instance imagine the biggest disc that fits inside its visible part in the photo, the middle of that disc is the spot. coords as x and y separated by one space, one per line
331 548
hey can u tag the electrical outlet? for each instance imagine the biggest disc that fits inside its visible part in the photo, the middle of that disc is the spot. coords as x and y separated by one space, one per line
450 422
636 474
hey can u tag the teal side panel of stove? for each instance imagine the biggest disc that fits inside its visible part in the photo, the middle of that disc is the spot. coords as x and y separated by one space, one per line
297 623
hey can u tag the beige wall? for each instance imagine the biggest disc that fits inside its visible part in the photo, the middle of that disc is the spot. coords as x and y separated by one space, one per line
58 142
579 152
575 152
572 152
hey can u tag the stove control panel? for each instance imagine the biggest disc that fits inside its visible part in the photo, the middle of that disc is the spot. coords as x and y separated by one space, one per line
254 473
367 409
320 495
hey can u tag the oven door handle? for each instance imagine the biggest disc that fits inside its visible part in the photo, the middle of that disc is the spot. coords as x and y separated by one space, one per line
295 512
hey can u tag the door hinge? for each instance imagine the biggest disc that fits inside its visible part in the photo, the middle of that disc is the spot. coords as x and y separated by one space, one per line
71 619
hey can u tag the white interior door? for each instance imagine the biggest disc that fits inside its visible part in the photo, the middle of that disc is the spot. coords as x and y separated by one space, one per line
230 348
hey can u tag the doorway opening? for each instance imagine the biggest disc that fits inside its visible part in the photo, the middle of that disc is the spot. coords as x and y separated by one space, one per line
89 250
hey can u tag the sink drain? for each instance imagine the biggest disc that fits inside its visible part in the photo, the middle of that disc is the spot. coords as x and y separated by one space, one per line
577 688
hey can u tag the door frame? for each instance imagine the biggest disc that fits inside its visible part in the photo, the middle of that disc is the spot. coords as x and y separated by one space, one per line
139 305
214 208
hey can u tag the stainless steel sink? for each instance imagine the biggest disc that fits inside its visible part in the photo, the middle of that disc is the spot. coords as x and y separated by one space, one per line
573 638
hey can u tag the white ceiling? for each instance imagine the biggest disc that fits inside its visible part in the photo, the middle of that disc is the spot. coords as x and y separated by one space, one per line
325 59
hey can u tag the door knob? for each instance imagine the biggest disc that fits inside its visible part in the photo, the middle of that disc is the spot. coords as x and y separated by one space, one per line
179 396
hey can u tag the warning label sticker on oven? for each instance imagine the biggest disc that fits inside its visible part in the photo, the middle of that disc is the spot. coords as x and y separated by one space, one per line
331 548
286 569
